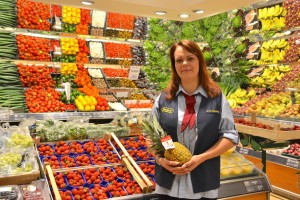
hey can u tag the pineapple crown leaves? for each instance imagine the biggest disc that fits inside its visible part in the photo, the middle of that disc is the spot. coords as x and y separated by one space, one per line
153 131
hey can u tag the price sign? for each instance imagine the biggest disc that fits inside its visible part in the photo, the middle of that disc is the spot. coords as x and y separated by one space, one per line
19 116
56 65
292 163
252 182
122 94
244 151
134 72
250 189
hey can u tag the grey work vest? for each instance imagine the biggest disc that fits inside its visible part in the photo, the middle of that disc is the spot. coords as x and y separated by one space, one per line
207 175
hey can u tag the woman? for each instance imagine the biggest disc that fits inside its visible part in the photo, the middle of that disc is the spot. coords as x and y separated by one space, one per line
207 131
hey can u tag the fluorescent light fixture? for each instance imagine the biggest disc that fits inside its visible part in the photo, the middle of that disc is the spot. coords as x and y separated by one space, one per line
160 12
184 15
86 2
198 11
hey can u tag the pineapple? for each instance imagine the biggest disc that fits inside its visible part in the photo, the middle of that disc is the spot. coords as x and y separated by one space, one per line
154 132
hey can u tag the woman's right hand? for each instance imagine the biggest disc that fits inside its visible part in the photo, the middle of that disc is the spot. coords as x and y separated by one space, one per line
168 164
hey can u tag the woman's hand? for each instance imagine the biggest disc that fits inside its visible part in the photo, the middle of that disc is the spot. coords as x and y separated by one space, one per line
168 164
189 166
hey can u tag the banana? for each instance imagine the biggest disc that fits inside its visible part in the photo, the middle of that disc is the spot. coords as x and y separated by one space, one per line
232 103
243 93
251 93
271 12
266 73
284 12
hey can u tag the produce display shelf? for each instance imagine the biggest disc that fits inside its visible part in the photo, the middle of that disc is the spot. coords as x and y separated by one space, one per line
58 64
279 159
58 35
64 115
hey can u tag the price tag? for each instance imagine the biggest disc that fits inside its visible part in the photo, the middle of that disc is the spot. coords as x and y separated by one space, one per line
122 94
250 189
167 142
67 87
244 151
134 72
260 187
292 163
5 189
56 65
252 182
21 116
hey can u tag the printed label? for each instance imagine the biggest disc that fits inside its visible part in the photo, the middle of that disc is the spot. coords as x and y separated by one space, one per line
167 142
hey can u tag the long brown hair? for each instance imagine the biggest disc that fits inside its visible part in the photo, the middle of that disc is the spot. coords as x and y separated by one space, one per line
212 89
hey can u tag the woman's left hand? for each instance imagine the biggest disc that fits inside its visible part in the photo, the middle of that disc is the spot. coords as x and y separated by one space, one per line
189 166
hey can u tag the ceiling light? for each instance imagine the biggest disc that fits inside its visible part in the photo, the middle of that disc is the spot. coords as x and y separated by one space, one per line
86 2
198 11
160 12
184 15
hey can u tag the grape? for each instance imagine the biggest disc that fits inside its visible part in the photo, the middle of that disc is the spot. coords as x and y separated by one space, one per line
20 139
12 159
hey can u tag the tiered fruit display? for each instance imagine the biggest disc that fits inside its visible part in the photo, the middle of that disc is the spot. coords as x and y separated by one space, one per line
117 50
35 75
39 48
270 76
82 56
68 69
273 51
292 111
115 73
240 97
272 18
292 53
287 79
85 20
86 103
33 15
69 46
40 99
292 16
273 105
70 17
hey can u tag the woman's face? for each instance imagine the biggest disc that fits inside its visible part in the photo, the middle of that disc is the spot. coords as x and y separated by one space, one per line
186 64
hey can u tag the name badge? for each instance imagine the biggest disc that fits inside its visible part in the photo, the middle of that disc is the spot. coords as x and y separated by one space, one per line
212 111
167 110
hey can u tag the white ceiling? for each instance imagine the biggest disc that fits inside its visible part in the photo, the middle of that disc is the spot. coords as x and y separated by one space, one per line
173 8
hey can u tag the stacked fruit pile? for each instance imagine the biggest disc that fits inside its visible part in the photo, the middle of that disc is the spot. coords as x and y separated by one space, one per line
273 51
272 18
270 76
240 97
